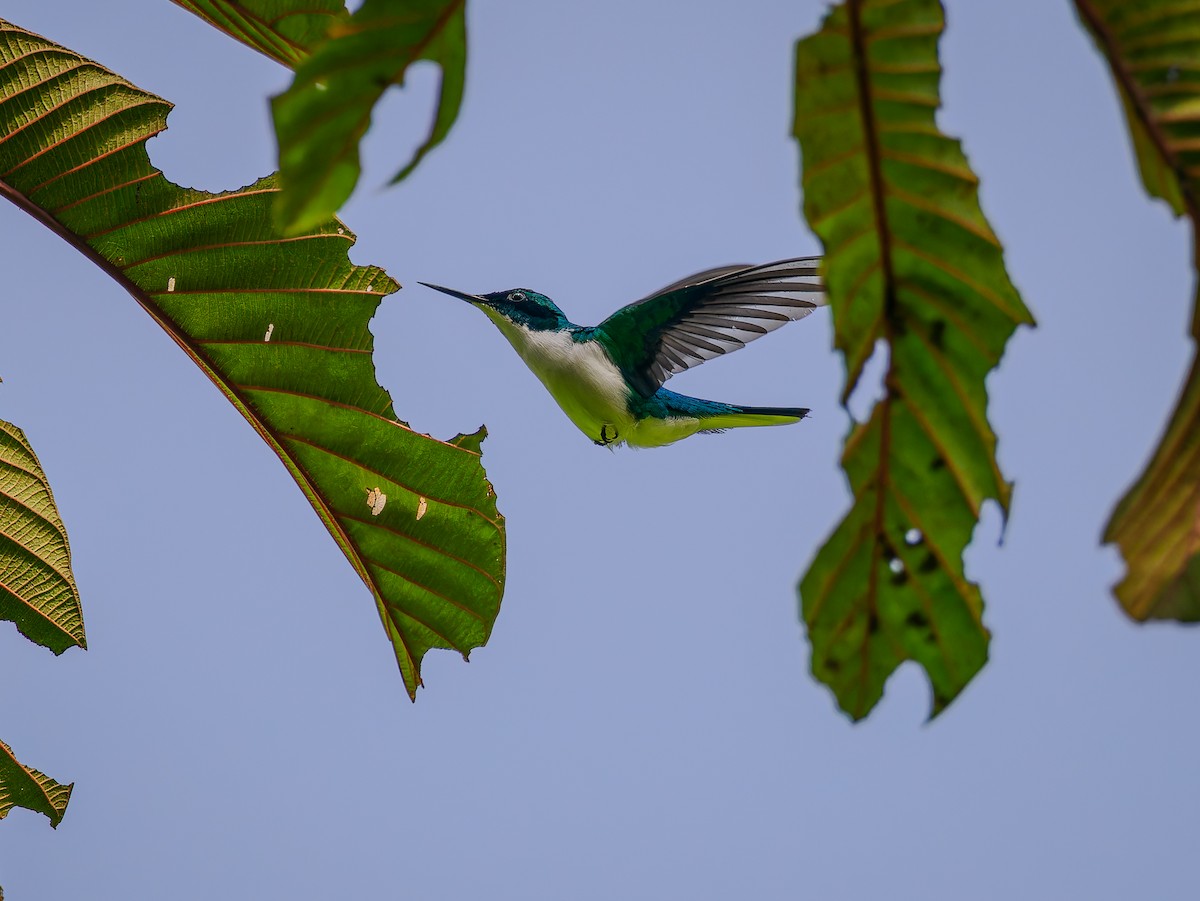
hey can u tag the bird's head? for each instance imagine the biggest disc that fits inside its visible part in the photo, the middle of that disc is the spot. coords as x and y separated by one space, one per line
519 306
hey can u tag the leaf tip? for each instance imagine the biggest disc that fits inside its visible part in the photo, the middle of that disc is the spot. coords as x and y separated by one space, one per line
472 441
60 811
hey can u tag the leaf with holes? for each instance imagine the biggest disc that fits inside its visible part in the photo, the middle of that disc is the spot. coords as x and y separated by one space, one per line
22 786
280 325
285 30
1153 50
910 262
37 587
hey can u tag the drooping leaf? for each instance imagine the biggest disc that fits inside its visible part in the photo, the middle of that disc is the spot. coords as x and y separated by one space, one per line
322 117
1153 50
912 263
343 65
285 30
37 587
22 786
280 325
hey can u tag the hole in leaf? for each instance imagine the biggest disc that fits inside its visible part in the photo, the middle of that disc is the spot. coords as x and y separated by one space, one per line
937 333
917 620
869 389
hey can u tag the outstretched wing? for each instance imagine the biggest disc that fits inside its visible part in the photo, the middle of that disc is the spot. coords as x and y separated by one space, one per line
706 315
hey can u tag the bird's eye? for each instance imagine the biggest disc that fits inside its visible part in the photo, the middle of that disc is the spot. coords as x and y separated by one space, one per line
516 296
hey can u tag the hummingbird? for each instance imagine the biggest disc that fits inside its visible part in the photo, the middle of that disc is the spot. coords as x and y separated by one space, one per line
608 378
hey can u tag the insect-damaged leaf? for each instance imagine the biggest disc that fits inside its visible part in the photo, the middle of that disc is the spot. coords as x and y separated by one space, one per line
911 262
37 587
22 786
1153 50
279 324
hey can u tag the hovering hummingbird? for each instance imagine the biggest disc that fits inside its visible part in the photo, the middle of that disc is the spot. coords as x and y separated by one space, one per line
608 378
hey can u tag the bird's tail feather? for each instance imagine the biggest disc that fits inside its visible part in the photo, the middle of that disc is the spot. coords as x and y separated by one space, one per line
716 416
748 416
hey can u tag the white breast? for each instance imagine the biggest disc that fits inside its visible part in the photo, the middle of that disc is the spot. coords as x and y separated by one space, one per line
578 374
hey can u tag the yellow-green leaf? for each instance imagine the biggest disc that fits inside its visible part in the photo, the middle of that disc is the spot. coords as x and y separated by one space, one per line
1153 50
1157 523
22 786
910 262
37 587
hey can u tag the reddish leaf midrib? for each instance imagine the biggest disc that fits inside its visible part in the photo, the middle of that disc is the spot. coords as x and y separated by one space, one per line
324 511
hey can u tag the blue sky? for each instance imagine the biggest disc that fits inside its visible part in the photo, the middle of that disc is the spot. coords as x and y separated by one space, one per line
642 723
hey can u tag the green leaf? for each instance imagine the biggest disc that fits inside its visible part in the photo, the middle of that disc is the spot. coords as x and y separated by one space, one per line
280 325
343 65
37 587
910 262
323 116
22 786
285 30
1153 50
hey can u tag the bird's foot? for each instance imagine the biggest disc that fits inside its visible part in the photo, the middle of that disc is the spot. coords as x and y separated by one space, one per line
606 439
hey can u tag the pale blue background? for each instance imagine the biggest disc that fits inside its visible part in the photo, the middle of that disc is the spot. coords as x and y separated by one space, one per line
642 724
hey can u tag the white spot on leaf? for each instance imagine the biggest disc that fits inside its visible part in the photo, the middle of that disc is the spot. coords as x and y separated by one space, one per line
170 284
375 500
422 507
270 328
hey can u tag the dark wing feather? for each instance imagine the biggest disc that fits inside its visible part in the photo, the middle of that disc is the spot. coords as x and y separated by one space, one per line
697 278
708 314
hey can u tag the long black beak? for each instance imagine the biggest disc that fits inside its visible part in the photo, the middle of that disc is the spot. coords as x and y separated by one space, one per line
469 298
